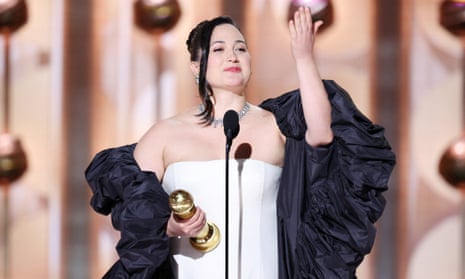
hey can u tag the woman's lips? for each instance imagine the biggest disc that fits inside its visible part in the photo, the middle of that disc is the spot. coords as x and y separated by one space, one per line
233 69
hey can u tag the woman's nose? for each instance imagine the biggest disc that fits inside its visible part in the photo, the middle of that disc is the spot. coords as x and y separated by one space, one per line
231 56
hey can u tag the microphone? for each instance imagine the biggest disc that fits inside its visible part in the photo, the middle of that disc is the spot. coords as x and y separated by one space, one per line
231 127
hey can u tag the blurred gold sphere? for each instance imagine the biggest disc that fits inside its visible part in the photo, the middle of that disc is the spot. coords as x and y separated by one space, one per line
13 162
452 16
452 164
320 9
156 16
13 15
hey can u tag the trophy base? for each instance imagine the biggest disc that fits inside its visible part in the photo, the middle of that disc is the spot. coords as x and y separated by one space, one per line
208 242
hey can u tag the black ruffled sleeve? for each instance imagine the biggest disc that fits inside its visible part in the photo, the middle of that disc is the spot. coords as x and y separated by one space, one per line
139 210
329 197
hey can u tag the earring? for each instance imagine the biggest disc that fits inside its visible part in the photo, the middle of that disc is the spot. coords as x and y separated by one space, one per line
197 79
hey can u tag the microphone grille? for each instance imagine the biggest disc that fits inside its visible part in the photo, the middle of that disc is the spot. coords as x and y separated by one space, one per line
231 122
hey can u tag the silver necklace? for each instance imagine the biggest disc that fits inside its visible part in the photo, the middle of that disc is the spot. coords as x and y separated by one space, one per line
218 122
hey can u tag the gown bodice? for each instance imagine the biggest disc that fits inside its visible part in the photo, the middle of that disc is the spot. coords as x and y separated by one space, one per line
253 188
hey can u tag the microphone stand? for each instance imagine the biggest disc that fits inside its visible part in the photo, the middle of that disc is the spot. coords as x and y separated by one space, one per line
231 129
228 148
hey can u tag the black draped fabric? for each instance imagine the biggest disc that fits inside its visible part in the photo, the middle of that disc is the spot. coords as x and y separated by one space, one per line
329 197
139 210
328 201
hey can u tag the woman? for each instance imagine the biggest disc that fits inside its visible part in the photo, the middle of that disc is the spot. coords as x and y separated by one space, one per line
304 210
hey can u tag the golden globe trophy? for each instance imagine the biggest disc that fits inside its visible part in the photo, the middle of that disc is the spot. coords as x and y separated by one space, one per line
182 204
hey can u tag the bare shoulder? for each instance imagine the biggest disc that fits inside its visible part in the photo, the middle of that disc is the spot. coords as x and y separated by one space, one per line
150 149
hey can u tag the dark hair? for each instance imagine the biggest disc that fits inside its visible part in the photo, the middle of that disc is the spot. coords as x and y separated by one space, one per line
198 44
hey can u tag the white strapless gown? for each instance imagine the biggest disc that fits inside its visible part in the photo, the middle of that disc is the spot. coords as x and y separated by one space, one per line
253 187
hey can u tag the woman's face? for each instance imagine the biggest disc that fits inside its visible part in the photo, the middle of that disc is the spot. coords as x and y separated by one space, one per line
229 59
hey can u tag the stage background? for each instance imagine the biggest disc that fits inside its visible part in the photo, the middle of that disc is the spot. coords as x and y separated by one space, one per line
85 78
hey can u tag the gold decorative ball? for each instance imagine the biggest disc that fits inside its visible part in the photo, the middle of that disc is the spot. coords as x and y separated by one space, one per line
452 164
13 162
156 16
13 15
452 16
321 10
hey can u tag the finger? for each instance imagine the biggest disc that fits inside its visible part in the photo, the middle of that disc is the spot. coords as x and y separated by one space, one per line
308 16
292 31
196 216
198 228
298 19
199 217
305 18
197 225
200 212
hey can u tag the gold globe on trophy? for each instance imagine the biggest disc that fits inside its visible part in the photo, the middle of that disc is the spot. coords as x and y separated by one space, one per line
182 204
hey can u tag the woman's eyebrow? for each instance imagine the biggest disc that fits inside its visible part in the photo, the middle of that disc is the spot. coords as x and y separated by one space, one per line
223 42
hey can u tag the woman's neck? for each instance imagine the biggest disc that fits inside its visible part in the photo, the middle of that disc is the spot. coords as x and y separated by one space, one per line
225 101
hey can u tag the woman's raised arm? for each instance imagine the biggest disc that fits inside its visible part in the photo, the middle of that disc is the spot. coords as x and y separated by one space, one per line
316 106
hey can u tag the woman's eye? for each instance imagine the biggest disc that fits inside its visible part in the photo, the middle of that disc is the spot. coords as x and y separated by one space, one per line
242 49
217 49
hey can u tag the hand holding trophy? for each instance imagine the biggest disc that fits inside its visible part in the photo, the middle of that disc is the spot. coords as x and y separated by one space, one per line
182 204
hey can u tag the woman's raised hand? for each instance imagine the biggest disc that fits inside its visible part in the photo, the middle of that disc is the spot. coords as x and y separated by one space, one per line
302 32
